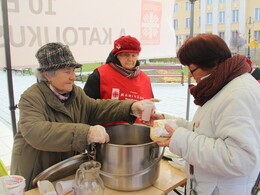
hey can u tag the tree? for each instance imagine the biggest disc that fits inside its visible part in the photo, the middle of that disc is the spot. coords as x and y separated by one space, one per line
254 44
237 41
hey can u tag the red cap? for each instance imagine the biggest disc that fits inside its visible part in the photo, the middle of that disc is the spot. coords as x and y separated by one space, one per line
126 44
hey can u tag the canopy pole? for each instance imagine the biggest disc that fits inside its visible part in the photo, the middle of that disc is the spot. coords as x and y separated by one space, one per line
12 106
191 35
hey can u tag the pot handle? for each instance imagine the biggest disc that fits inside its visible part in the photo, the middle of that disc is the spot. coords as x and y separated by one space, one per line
91 151
153 152
142 172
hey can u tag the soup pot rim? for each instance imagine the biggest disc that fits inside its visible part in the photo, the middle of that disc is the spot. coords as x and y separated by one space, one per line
129 146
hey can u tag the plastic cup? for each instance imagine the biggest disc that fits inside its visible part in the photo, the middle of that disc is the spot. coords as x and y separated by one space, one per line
46 187
148 109
15 184
63 187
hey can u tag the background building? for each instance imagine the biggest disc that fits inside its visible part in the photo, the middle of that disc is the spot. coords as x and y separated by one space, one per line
236 21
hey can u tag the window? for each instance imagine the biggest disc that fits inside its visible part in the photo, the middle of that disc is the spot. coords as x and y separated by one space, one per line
188 6
175 23
209 18
222 17
176 7
209 2
187 25
222 35
257 14
234 35
257 34
235 16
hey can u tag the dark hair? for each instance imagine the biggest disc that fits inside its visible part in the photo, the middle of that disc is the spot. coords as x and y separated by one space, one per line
204 50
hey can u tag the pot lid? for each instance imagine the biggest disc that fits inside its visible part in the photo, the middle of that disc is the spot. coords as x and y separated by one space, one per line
62 169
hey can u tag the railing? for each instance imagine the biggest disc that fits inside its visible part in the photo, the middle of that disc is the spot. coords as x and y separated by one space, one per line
20 70
78 73
167 67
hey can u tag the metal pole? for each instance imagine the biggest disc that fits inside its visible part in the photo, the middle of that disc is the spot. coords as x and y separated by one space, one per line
191 35
8 64
249 36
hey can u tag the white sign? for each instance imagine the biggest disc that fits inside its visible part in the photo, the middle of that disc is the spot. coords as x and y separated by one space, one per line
89 27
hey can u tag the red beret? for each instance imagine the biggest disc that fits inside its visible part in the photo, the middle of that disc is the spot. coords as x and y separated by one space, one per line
126 44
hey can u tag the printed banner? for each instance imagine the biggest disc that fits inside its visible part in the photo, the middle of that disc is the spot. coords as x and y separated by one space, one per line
88 27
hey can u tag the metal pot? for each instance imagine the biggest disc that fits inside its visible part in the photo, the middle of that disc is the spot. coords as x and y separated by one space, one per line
130 161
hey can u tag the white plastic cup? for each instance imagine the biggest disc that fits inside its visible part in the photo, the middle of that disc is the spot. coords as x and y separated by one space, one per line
15 184
45 187
3 188
148 109
63 187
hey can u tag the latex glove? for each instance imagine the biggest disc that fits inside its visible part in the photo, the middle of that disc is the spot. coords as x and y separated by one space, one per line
97 134
154 116
142 107
170 130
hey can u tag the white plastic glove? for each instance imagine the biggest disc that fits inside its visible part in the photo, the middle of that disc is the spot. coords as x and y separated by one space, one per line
141 108
98 134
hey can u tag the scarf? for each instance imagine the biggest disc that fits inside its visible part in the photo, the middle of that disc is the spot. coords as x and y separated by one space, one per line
62 97
221 75
125 72
115 64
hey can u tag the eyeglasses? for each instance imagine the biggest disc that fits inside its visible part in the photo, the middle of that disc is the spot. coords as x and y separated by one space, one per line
192 71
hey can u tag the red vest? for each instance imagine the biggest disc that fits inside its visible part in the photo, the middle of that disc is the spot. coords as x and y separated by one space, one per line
113 85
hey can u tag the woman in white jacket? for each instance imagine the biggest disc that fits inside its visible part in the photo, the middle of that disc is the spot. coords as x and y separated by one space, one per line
221 145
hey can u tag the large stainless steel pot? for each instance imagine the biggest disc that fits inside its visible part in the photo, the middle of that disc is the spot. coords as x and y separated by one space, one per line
130 161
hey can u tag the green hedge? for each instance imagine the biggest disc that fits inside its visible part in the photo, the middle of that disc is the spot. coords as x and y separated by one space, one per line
89 67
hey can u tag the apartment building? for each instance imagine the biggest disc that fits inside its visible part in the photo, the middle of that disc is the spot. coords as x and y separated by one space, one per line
236 21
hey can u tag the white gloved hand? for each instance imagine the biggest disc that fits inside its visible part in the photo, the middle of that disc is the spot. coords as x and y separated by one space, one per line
143 107
172 123
97 134
137 108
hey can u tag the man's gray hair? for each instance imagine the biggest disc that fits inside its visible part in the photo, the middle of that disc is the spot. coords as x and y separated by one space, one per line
40 77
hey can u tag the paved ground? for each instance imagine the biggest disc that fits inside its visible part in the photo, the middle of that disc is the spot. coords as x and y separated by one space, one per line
173 98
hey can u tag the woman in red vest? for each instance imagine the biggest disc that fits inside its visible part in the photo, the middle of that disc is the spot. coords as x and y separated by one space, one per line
120 78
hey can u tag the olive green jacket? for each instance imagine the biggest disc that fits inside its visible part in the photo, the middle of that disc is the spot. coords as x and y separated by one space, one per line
50 131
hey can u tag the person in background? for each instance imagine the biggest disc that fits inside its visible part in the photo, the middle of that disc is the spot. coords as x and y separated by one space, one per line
120 78
57 119
221 143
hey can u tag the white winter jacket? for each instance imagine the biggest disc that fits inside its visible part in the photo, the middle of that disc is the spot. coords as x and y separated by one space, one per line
225 147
